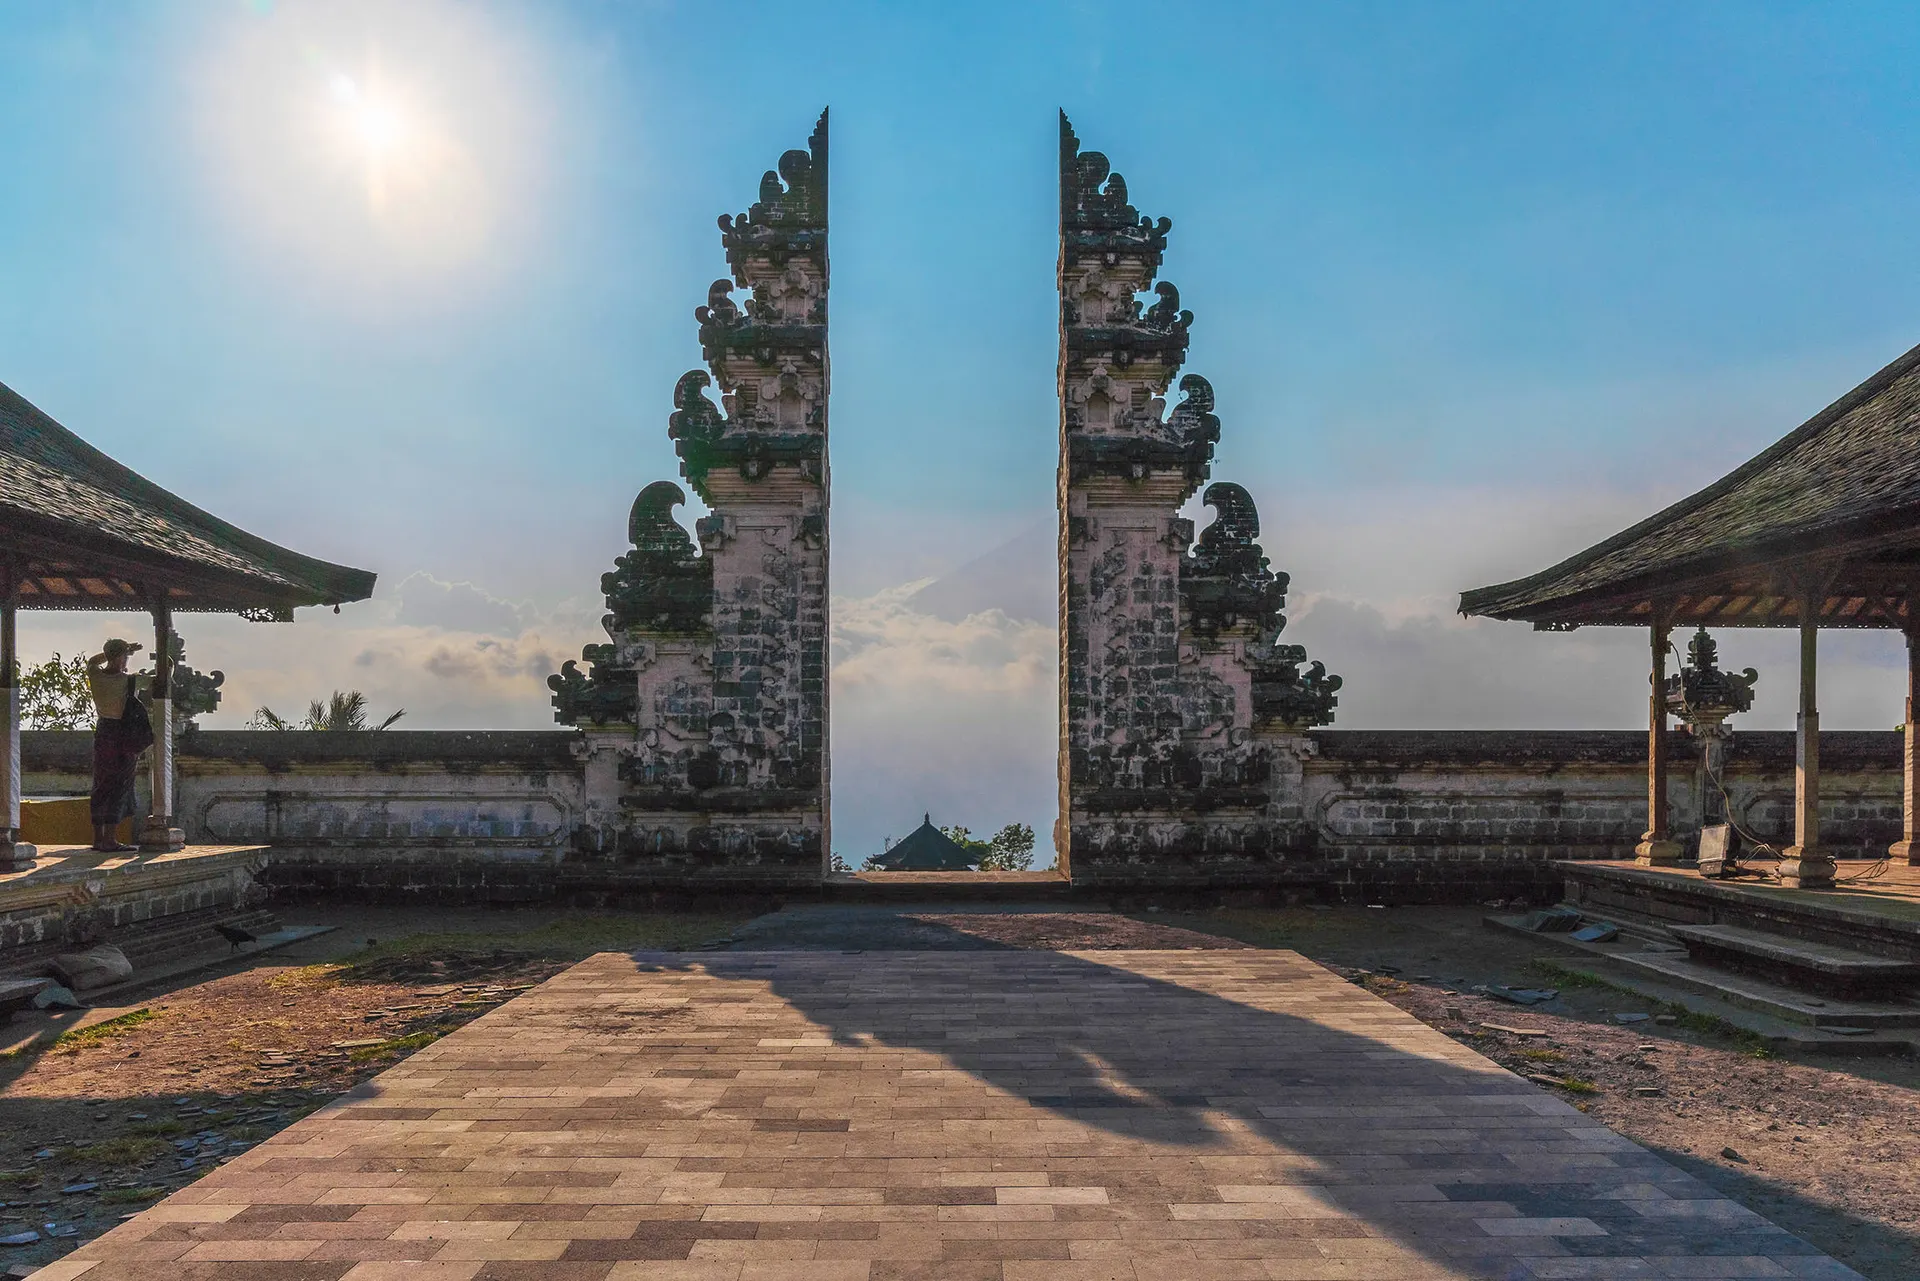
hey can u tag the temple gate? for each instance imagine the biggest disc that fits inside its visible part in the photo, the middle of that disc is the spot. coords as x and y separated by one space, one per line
1182 716
704 714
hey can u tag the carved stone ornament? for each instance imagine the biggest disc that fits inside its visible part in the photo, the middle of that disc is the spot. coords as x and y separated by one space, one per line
1095 216
1225 583
193 693
662 585
791 215
1700 693
603 694
1227 586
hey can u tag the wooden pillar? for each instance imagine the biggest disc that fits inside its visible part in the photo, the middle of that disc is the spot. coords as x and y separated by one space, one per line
1805 866
1657 848
15 854
160 835
1907 848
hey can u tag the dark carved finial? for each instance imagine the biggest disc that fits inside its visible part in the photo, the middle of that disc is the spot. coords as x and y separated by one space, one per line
1194 421
1095 213
1226 583
1700 692
1165 315
1238 522
651 526
721 312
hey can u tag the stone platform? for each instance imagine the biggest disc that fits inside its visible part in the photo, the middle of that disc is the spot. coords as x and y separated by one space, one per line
947 887
1022 1116
72 892
1878 916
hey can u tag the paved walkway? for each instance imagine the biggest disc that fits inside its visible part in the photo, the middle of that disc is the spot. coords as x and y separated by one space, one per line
954 1116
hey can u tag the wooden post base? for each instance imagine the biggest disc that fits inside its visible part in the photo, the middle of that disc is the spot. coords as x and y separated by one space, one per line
1658 853
1907 852
1806 869
161 839
17 856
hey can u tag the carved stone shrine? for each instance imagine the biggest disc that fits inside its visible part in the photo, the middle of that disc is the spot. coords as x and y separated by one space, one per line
1183 716
704 714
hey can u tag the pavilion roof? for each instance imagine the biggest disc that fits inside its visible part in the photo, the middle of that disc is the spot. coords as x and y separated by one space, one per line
1832 509
89 533
925 849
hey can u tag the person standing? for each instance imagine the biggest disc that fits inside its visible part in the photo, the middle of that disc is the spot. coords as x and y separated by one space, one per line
123 732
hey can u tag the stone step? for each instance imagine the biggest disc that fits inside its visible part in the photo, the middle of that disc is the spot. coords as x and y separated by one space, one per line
1678 990
1645 960
1791 1004
1823 967
946 887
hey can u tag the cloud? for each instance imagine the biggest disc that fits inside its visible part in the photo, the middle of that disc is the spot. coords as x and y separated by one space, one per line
953 717
426 601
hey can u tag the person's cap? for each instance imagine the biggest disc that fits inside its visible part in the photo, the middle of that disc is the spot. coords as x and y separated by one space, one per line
116 647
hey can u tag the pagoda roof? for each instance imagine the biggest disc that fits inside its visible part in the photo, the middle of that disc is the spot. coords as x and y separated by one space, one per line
925 849
1831 511
86 532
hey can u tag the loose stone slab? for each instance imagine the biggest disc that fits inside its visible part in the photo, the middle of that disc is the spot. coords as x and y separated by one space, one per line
1019 1115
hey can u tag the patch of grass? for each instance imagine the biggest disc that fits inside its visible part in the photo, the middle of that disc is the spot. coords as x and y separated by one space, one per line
129 1149
131 1196
82 1038
1542 1056
322 975
1750 1043
1567 977
1578 1085
19 1178
452 957
159 1129
397 1045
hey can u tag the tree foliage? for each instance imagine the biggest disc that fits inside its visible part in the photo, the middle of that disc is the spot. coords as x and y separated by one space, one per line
55 694
342 712
1009 850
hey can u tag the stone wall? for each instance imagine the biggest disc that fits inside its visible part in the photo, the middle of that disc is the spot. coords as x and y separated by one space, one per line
705 713
1358 815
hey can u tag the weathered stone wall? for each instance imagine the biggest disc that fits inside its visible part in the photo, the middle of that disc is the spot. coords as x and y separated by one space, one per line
1362 815
1462 816
1181 709
706 713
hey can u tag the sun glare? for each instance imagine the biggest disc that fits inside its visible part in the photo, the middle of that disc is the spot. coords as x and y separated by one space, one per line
380 142
377 124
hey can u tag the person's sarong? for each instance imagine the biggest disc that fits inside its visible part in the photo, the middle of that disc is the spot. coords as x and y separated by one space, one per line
116 759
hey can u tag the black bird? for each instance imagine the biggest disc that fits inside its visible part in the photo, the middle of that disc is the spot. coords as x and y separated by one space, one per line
236 936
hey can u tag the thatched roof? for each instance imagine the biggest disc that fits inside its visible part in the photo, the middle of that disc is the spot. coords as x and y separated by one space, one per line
89 533
1833 509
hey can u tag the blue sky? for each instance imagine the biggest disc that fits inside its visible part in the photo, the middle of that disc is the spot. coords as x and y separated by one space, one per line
1476 284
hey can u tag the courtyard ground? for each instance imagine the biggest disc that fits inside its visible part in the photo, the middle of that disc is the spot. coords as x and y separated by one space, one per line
139 1101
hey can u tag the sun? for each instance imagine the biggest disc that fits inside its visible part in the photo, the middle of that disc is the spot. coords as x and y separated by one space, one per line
377 123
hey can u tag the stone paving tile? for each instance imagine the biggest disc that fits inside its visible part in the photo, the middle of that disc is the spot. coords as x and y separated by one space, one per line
952 1116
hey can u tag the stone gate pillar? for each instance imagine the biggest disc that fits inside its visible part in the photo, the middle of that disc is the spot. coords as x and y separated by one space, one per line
1172 674
706 711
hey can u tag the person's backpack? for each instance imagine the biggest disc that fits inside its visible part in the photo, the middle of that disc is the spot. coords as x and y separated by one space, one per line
139 725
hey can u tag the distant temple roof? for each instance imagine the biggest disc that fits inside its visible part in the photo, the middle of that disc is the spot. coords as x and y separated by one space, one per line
88 533
926 849
1832 509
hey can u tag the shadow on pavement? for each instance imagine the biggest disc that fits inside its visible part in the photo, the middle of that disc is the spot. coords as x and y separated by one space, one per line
1453 1157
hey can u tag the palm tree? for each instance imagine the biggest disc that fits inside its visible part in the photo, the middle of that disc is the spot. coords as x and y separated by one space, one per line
346 711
